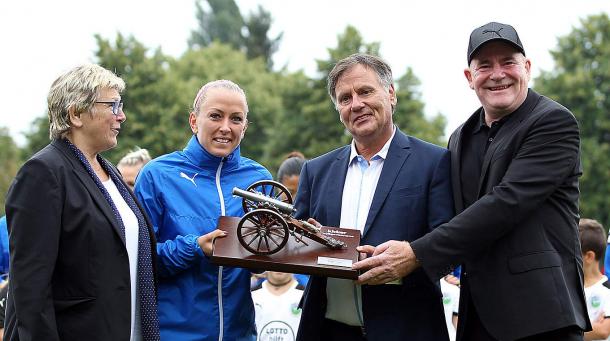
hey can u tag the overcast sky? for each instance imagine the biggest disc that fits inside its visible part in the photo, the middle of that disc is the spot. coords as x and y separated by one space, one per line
41 39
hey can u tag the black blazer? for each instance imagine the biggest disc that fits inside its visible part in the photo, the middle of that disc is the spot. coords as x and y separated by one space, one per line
413 196
519 241
69 272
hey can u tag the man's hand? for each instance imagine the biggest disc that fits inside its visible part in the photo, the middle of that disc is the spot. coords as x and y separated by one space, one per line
205 241
601 328
314 222
451 279
388 262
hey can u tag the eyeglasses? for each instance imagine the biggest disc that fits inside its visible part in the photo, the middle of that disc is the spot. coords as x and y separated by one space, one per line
116 106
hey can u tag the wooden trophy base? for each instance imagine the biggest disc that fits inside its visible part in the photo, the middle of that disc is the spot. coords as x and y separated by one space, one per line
295 257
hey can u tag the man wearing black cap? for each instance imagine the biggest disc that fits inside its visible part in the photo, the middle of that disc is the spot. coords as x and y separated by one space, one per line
515 169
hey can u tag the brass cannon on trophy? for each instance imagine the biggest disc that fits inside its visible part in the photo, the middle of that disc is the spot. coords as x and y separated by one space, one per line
268 221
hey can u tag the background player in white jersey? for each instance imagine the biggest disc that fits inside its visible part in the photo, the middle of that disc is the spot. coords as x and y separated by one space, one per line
451 303
276 304
597 287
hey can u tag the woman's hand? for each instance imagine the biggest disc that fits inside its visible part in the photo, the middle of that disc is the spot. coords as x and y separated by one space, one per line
205 241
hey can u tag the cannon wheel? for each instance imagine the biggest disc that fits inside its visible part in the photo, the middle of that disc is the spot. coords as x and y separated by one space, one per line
262 232
270 188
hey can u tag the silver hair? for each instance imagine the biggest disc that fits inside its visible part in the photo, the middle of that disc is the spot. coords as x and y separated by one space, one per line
78 89
134 158
202 94
381 68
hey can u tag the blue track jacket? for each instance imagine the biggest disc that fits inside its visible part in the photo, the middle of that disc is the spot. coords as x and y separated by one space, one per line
184 193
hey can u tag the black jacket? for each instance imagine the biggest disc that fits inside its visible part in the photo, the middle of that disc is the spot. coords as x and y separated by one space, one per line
519 241
69 272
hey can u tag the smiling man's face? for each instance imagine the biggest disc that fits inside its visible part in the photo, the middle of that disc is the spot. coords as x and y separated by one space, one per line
365 106
499 75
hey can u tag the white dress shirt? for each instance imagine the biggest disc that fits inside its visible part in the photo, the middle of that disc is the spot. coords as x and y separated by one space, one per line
344 297
130 221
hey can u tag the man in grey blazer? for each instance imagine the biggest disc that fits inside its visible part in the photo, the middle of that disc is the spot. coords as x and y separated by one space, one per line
515 168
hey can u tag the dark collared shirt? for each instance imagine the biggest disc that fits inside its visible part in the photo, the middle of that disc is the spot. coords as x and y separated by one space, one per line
476 139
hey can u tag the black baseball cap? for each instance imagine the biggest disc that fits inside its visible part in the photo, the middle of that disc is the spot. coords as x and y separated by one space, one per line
490 32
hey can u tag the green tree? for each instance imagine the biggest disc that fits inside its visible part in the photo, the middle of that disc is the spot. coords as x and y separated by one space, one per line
581 82
348 43
223 22
10 161
293 129
36 137
257 42
155 120
409 115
